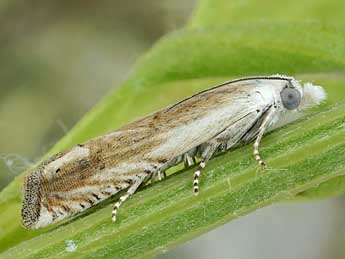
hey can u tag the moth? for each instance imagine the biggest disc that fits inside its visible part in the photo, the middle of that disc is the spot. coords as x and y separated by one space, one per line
199 127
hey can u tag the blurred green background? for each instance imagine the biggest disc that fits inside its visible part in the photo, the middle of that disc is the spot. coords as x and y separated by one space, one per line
58 58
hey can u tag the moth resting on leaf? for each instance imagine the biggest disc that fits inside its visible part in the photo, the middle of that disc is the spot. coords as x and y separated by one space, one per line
207 123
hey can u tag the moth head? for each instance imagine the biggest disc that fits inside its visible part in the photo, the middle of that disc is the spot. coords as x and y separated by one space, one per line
294 96
291 95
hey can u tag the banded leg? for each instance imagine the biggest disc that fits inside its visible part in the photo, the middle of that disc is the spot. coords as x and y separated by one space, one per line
265 124
197 174
132 189
207 150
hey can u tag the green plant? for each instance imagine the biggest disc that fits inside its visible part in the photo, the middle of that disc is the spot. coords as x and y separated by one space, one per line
222 41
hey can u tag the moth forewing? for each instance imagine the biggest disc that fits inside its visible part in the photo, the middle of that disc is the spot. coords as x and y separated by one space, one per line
212 121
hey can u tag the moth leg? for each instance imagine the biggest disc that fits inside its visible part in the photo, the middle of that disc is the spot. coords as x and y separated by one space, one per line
207 150
159 174
265 124
188 160
197 174
132 189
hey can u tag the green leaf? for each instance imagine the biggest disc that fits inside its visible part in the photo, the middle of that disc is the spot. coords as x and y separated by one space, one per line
219 44
224 12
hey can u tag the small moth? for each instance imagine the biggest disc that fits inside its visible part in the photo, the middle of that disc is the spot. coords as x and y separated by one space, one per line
201 126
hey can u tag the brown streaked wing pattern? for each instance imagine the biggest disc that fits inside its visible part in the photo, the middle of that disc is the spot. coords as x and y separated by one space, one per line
91 172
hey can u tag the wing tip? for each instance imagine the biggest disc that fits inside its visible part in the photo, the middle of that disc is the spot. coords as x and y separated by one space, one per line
31 206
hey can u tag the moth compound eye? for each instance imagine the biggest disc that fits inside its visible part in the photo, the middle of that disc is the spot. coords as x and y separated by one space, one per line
291 98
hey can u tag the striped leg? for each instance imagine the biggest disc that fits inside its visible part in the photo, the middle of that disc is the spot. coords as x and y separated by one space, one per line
117 205
207 150
196 177
132 189
265 124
